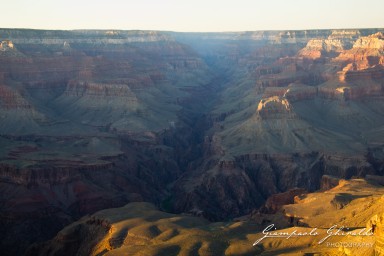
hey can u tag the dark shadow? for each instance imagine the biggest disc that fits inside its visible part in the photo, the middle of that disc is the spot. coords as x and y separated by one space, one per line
284 251
195 249
172 250
343 199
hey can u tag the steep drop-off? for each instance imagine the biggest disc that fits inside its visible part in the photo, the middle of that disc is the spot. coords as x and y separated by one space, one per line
210 124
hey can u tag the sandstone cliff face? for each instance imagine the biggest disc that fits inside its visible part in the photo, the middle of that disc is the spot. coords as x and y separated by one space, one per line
366 52
272 106
316 48
337 42
376 224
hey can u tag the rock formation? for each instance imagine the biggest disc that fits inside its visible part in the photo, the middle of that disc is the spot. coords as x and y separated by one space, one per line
209 124
376 224
140 228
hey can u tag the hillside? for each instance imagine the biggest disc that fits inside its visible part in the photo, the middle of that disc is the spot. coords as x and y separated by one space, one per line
141 229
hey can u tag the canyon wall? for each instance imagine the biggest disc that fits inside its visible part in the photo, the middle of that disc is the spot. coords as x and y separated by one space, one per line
210 124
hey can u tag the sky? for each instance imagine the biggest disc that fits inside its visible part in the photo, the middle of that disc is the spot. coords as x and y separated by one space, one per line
192 16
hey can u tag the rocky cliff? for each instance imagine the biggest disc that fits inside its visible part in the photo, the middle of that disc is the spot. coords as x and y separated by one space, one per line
287 119
376 224
83 118
209 124
140 228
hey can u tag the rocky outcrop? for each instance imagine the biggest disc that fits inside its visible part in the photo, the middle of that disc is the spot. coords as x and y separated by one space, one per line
274 106
317 48
275 202
329 182
376 225
365 53
336 43
8 49
6 45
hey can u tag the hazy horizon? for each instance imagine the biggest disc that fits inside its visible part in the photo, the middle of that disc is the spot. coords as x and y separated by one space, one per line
196 16
173 31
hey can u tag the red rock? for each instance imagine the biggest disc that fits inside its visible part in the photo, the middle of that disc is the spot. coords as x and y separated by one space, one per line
275 202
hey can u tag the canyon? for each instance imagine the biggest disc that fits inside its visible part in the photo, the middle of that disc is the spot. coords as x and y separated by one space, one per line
213 126
140 228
